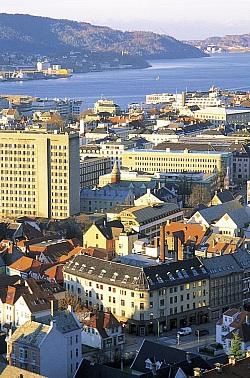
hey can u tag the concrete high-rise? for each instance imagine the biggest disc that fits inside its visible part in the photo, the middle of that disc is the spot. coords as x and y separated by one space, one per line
40 174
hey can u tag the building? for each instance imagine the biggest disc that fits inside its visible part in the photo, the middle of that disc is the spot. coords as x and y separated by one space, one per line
91 169
101 330
39 174
149 298
19 303
103 199
147 220
226 284
243 259
221 197
157 360
219 115
233 223
103 235
212 214
233 321
34 345
152 161
106 106
181 240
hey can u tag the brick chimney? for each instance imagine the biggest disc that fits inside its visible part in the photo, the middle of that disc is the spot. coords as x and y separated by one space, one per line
162 243
179 247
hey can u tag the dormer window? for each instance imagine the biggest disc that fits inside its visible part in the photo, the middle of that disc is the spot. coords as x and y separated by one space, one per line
114 277
103 271
125 279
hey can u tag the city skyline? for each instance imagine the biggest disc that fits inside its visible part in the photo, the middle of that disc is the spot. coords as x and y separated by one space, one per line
183 20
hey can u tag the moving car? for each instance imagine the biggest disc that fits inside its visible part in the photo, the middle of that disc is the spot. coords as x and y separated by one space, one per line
185 331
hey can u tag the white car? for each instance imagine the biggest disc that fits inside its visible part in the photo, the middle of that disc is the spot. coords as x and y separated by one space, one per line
185 331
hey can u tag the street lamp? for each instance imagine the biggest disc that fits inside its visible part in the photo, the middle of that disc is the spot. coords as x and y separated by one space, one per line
198 337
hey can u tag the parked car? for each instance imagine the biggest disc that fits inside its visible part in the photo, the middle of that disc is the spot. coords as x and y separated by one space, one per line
185 331
201 332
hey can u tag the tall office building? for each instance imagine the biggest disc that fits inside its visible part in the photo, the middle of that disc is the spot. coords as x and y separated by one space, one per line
40 174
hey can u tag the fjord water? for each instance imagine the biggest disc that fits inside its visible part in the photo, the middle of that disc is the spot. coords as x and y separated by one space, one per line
227 71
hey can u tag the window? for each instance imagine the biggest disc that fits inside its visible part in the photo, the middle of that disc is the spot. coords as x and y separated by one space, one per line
141 306
122 302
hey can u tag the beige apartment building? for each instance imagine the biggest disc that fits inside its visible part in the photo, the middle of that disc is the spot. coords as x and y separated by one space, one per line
40 174
152 161
149 298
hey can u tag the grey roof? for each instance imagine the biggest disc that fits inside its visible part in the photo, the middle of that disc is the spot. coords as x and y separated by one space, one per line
214 213
106 193
144 278
242 257
225 196
65 321
106 228
221 265
138 188
240 217
107 271
166 355
144 214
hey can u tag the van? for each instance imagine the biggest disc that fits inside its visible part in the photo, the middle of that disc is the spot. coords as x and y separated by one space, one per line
185 331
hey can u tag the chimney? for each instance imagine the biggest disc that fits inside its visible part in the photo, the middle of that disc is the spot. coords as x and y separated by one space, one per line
53 307
197 372
179 247
232 360
162 243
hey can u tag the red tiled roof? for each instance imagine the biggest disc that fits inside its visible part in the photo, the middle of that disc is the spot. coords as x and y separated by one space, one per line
25 264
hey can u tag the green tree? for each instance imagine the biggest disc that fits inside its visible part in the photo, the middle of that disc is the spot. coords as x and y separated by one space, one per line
236 350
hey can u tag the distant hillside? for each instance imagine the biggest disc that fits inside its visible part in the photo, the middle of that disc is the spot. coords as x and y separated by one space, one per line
30 34
228 42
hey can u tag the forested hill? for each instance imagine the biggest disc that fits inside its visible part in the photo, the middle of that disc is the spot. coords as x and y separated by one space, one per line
31 34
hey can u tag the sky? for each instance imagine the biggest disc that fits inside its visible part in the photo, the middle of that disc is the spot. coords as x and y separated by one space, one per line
183 19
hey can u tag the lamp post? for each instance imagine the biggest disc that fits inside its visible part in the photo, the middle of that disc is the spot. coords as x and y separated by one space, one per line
198 338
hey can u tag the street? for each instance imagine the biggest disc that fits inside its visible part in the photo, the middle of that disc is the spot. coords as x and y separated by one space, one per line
189 343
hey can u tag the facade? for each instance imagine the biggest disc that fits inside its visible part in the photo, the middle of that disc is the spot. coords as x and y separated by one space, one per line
147 220
35 344
149 299
101 330
226 284
233 223
39 175
219 115
18 305
103 199
91 169
233 321
152 161
103 235
106 106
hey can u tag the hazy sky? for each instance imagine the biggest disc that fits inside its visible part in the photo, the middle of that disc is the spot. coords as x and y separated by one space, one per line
183 19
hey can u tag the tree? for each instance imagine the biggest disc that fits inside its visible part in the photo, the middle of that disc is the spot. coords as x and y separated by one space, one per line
199 194
236 350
